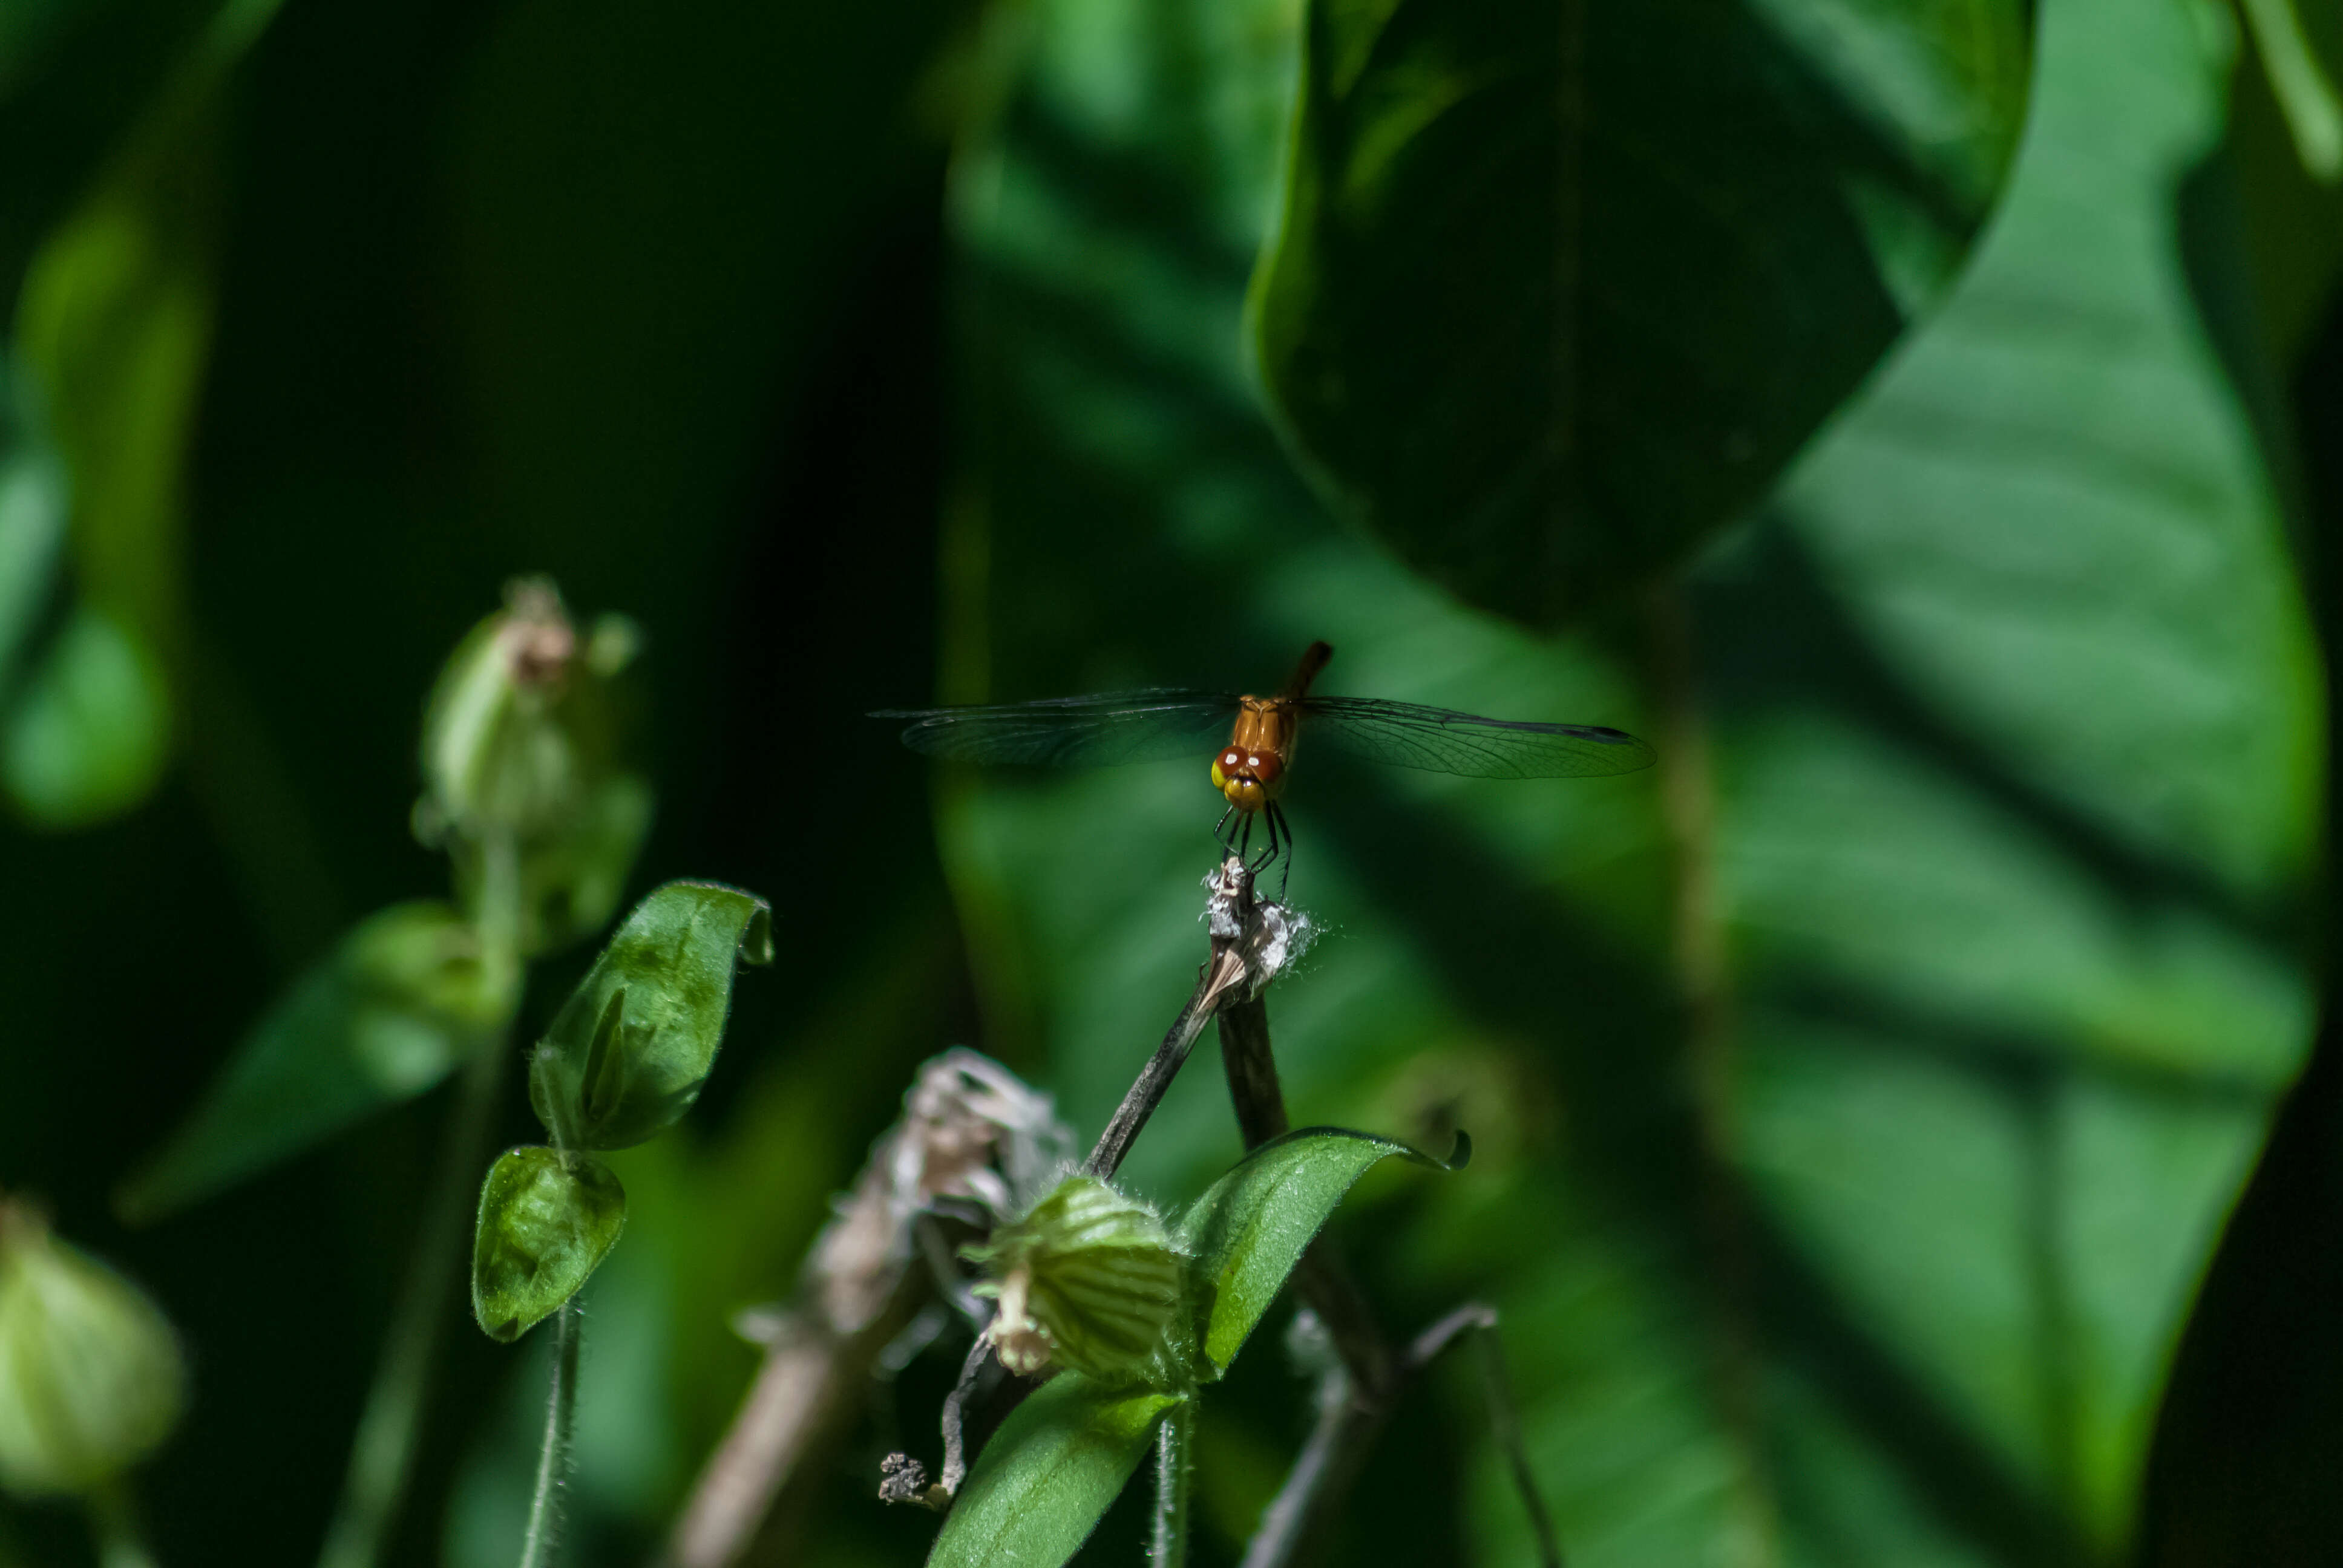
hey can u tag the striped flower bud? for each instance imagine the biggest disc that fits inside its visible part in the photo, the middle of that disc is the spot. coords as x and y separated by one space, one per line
1089 1280
524 743
91 1379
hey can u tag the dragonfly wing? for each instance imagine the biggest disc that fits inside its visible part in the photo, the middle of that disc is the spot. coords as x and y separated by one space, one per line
1442 740
1106 730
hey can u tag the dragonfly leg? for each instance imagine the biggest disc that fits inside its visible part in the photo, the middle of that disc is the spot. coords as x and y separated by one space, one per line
1244 836
1276 822
1220 829
1268 820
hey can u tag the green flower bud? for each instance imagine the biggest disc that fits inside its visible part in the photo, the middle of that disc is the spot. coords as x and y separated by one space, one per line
546 1221
1090 1280
523 745
91 1379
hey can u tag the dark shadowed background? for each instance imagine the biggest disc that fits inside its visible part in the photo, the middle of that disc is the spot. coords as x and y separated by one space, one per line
1907 1131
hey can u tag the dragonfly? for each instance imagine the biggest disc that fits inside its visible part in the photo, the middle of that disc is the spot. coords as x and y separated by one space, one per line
1249 770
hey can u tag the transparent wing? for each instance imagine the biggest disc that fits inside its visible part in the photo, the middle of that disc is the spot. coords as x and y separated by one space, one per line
1442 740
1106 731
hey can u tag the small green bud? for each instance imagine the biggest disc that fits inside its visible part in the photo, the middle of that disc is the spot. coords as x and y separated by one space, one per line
1089 1280
547 1220
91 1379
523 742
421 958
629 1049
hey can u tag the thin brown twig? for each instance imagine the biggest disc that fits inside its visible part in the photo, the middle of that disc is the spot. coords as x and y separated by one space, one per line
1504 1421
808 1386
970 1134
1322 1280
956 1416
1356 1397
1354 1401
1505 1426
1296 1518
1214 983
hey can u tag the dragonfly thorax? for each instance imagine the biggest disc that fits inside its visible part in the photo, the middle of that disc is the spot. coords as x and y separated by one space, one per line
1250 768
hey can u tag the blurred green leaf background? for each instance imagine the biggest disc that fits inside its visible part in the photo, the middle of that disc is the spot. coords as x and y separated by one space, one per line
1906 1132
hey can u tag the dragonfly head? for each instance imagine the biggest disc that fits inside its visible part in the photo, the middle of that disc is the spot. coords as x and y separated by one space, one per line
1249 778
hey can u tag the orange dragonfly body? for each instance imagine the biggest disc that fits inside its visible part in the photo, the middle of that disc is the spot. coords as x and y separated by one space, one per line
1249 770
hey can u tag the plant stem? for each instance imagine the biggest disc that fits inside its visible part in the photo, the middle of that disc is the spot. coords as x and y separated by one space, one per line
1504 1421
1220 973
1321 1474
114 1524
1175 1443
1505 1427
1321 1280
382 1454
1353 1401
955 1421
538 1546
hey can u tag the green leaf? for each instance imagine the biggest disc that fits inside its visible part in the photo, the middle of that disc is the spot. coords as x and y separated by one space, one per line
628 1052
1250 1228
2001 843
90 730
1560 287
1043 1480
113 330
403 999
33 512
548 1219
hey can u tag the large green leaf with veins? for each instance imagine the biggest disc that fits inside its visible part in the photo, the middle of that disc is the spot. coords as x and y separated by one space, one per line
1559 287
1858 1095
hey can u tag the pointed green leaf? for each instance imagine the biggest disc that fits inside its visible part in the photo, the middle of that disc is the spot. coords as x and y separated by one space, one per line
548 1219
1561 287
113 330
1249 1230
628 1052
1043 1481
32 508
88 733
389 1012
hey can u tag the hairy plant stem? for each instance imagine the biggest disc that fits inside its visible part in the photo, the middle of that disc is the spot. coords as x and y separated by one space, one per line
114 1527
1175 1445
382 1453
536 1547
